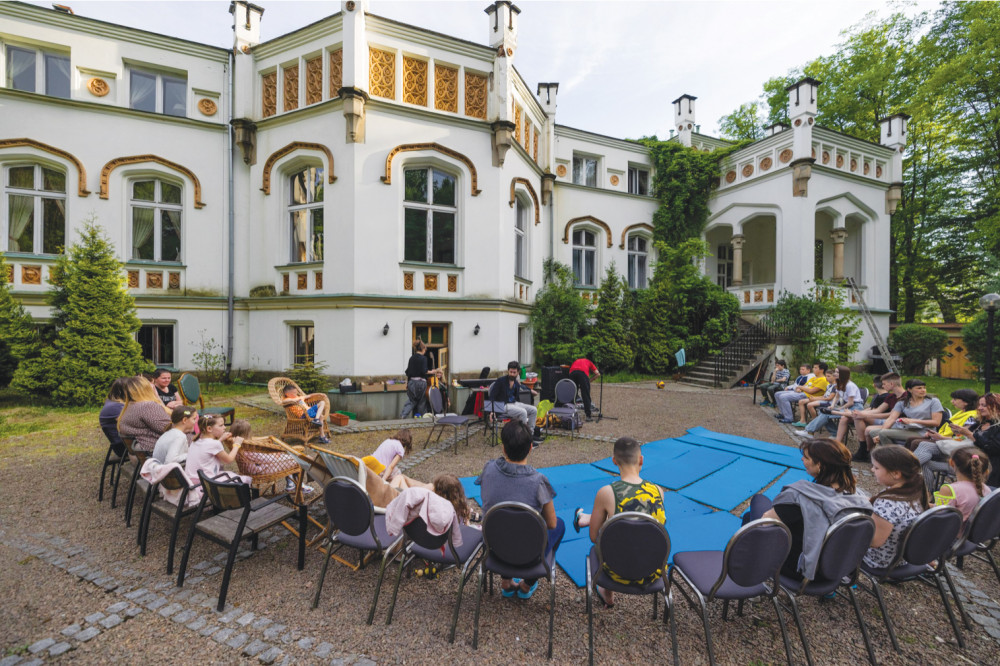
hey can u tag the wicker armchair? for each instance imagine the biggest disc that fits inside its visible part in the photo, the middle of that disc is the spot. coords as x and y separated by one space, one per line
298 428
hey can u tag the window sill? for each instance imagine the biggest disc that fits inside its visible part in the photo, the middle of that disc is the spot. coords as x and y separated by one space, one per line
424 265
306 265
522 280
151 262
33 256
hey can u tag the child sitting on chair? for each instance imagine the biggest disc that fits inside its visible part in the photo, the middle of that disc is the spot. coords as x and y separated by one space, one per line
388 454
296 405
628 493
206 453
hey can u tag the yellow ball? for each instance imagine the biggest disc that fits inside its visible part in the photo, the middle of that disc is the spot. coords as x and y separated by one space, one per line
660 384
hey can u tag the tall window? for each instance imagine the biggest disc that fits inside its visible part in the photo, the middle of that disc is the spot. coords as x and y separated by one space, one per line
638 180
521 240
724 265
429 216
156 220
303 345
38 71
584 258
585 170
157 342
157 93
36 209
305 211
818 261
638 254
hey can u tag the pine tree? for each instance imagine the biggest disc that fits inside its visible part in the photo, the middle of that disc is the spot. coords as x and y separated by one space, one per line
18 336
610 342
96 325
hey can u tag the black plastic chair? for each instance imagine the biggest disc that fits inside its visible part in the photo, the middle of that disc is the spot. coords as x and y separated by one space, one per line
442 419
116 456
565 404
636 547
136 482
929 538
439 549
177 481
982 531
844 545
495 415
515 539
749 567
353 523
237 517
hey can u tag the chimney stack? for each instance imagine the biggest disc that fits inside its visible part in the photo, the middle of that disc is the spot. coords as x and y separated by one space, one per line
246 25
893 135
684 118
802 105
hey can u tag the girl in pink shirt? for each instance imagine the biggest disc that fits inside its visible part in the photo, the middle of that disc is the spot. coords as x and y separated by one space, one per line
971 466
207 454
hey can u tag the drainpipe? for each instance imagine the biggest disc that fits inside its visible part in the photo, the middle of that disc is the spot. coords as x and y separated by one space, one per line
231 147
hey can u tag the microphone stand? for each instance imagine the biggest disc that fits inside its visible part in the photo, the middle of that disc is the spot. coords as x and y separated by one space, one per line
600 408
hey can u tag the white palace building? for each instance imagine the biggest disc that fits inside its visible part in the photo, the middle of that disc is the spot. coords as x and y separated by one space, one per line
382 181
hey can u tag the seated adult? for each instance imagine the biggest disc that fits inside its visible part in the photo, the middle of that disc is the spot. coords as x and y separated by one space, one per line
809 404
815 386
987 434
510 478
939 445
580 372
847 398
911 418
882 404
809 508
110 412
628 493
144 417
166 391
506 390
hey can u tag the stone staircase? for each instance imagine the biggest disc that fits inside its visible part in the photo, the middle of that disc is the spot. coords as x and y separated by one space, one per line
703 374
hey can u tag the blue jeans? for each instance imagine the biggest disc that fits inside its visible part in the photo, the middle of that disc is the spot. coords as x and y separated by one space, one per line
827 420
759 505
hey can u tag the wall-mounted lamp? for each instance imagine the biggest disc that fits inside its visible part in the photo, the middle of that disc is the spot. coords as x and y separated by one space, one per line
475 331
385 329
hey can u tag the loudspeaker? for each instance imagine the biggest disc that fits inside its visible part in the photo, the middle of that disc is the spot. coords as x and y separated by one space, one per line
550 377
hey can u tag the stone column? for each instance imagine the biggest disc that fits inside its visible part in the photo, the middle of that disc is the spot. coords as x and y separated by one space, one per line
738 242
838 235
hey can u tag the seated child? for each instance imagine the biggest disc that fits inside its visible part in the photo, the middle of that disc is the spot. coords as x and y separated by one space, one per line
172 446
296 405
449 487
779 380
971 466
252 462
628 493
904 498
388 454
206 453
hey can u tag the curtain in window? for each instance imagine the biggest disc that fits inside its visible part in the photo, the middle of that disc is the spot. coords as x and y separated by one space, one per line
21 209
57 76
142 92
21 69
142 229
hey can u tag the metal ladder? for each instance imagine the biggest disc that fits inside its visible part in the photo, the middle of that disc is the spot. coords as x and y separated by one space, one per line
883 348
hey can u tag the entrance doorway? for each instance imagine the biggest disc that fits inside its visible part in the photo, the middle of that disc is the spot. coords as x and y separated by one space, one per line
435 336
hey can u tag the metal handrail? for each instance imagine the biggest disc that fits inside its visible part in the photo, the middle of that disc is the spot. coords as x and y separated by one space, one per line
747 345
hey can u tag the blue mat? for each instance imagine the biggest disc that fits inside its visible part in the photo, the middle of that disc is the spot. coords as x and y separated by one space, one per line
571 558
687 468
727 488
776 453
788 458
788 478
655 454
708 532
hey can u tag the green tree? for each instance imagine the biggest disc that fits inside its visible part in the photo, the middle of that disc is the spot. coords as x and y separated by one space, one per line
743 124
917 344
609 343
974 336
818 324
558 317
19 339
95 331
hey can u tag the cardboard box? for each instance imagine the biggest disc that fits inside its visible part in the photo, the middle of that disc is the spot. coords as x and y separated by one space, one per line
398 386
374 387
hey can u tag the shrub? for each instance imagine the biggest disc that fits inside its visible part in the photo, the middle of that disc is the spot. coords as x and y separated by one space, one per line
917 344
819 325
311 377
974 337
210 359
558 317
609 343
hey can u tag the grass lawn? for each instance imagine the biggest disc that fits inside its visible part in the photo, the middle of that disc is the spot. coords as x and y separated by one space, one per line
937 386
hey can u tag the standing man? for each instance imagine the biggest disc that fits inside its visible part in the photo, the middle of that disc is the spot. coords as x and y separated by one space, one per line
507 390
580 373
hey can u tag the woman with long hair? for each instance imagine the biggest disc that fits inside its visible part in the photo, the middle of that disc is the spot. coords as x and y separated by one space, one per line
986 434
112 409
144 417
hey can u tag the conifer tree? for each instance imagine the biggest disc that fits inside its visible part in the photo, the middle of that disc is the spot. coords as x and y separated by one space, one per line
558 317
96 325
18 336
610 341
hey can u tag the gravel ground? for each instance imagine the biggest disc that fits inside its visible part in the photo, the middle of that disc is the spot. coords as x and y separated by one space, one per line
52 532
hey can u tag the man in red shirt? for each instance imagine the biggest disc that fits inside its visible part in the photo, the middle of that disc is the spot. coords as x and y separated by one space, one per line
580 373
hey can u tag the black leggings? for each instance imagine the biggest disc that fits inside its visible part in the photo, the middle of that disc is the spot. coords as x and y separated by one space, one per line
582 382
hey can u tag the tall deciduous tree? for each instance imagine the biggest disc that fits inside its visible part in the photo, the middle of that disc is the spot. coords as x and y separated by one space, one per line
744 123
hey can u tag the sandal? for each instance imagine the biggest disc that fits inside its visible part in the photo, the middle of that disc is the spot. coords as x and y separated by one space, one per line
577 512
509 592
600 597
521 594
475 516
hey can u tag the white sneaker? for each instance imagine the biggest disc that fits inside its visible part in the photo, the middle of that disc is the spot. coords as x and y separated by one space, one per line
803 433
290 486
306 489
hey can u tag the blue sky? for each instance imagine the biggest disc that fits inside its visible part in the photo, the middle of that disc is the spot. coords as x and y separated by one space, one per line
619 63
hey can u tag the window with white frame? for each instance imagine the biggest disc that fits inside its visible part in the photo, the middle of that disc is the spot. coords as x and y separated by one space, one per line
32 70
157 92
157 342
429 214
36 209
155 210
585 170
521 239
724 265
305 213
638 259
638 180
584 258
303 344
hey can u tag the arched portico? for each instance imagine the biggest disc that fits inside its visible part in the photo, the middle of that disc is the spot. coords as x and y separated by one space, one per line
743 252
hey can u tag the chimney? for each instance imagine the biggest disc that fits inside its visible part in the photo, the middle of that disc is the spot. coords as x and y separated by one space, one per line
246 25
684 118
893 135
503 24
802 105
771 130
546 93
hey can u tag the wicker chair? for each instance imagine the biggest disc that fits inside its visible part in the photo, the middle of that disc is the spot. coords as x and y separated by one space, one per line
298 428
268 463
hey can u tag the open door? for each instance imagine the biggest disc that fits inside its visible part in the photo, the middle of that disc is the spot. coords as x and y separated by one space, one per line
435 336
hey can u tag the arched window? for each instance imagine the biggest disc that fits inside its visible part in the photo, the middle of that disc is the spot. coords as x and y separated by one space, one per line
156 208
584 258
521 226
36 209
638 256
305 214
429 214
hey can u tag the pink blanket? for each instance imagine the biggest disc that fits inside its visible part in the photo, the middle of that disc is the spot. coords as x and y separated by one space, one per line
436 512
155 471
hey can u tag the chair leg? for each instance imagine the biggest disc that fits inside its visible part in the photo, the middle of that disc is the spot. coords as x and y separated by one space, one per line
303 523
227 574
116 475
429 435
395 589
993 563
173 538
861 623
958 599
467 571
589 600
784 629
708 628
104 469
187 545
479 601
552 608
378 585
951 614
885 614
131 495
668 614
322 572
802 631
725 610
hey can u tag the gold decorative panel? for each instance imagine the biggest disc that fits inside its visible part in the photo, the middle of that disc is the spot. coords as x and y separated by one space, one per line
527 134
314 80
561 170
445 88
730 176
414 81
878 172
758 296
319 279
173 280
840 161
98 87
452 283
785 156
747 170
766 163
207 107
269 94
31 274
430 282
854 164
520 291
517 123
826 157
301 280
290 88
475 95
9 274
284 283
408 281
770 295
382 73
746 296
154 280
534 153
336 72
868 167
133 279
614 180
